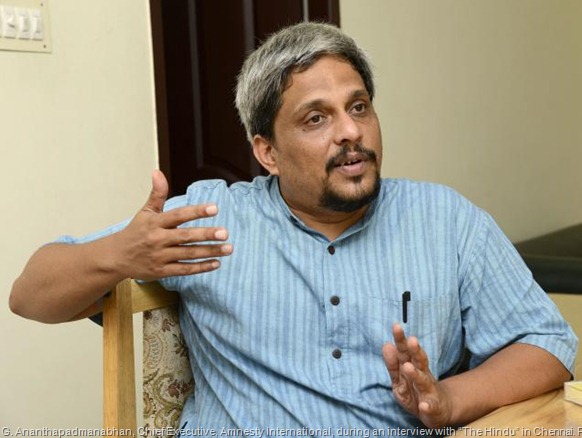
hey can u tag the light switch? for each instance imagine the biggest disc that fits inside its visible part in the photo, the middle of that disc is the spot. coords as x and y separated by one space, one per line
8 17
25 26
22 24
36 24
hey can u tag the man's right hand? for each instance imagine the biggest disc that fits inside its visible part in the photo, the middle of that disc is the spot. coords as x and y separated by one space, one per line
153 246
62 282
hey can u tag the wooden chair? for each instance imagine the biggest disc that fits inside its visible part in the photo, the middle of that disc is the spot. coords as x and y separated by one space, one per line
167 383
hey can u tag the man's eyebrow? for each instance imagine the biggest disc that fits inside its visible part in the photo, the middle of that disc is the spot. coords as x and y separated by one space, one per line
360 93
308 106
318 103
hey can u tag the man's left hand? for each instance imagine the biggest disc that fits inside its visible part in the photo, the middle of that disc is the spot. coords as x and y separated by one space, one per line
413 385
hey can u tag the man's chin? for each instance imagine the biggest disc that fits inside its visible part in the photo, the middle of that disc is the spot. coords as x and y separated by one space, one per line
349 202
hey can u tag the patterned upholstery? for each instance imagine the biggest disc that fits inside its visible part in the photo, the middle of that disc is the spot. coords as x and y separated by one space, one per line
167 376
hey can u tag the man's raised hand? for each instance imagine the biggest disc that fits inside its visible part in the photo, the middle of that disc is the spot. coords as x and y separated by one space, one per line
152 246
413 384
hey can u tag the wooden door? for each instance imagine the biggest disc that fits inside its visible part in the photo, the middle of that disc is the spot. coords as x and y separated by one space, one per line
199 47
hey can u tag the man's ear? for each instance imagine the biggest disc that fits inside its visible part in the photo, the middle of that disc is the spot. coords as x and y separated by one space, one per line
265 153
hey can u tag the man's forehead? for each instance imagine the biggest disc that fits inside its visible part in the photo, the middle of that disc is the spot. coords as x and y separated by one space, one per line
314 85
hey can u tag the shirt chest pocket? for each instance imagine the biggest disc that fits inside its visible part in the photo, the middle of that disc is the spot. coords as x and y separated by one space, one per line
434 320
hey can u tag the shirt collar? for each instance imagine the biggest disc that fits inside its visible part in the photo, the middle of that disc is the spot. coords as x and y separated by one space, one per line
275 194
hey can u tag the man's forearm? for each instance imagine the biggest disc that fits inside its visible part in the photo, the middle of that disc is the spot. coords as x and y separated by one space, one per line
62 281
518 372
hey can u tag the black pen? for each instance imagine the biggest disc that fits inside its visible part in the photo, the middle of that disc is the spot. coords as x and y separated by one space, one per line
405 300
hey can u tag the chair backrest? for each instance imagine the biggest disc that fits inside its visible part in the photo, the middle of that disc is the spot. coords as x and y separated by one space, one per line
167 377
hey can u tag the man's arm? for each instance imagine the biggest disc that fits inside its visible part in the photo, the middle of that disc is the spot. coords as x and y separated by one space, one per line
62 282
515 373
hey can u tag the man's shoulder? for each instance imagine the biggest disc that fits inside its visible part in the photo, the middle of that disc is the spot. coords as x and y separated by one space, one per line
401 188
257 185
217 190
428 200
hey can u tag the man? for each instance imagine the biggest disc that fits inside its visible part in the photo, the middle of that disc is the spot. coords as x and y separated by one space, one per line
340 299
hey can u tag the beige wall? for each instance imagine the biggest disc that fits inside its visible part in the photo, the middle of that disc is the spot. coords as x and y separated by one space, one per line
78 144
484 96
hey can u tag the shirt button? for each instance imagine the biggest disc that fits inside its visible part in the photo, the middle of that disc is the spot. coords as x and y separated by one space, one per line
335 300
331 249
337 353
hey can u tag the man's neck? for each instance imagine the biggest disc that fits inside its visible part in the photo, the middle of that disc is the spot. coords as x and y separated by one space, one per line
329 223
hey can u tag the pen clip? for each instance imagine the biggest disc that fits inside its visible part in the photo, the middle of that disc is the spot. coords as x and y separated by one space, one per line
405 299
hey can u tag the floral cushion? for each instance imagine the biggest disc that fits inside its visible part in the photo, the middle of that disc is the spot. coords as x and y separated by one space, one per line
167 376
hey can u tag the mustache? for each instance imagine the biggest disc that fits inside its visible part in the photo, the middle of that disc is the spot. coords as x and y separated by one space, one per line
342 156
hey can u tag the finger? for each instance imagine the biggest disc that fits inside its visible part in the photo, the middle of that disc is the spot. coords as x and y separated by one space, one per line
434 410
159 193
399 337
423 381
189 268
428 407
178 216
187 235
400 342
193 252
390 354
401 384
418 356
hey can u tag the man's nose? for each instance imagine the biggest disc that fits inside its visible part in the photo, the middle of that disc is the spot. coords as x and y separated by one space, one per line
347 130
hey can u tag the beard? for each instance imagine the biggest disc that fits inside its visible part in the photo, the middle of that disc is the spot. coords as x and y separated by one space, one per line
333 200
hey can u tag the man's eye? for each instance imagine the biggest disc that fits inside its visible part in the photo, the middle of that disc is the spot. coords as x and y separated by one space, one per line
359 107
313 120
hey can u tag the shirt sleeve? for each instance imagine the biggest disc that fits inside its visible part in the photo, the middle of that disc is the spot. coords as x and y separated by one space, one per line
73 240
502 304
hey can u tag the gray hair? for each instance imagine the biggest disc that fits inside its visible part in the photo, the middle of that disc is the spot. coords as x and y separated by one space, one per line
265 73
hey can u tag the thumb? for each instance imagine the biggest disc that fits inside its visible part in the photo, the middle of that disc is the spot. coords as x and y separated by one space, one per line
159 193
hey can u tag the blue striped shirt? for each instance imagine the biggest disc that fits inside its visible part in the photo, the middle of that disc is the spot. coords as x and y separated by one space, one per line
288 333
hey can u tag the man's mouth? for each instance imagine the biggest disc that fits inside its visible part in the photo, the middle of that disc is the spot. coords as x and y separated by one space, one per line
349 163
351 160
355 164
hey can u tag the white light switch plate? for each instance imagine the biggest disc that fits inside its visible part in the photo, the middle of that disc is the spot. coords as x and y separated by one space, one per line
25 25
